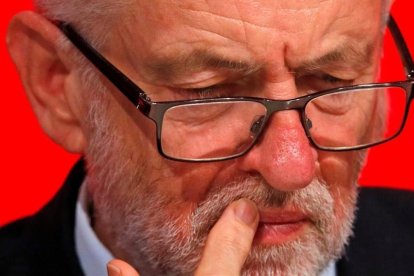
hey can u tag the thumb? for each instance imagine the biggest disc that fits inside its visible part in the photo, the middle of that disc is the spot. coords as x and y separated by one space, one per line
120 268
230 240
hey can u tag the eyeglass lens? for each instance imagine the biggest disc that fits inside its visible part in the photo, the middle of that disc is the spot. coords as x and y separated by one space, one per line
356 117
334 121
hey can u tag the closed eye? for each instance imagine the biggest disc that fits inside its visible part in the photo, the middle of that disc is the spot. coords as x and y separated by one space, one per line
311 83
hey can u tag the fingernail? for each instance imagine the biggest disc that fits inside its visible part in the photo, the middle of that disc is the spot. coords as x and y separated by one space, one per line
246 211
113 270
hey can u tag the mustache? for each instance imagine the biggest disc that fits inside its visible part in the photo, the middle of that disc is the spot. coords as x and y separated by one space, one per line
314 200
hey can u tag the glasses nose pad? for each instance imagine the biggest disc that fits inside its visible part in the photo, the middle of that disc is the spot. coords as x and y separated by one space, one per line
308 123
257 125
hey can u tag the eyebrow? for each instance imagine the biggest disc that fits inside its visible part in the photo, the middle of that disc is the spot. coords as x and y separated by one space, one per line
168 68
350 55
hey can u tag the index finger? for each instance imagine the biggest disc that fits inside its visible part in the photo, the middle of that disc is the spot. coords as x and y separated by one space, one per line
117 267
230 240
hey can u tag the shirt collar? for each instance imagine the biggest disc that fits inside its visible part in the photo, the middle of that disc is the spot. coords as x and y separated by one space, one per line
93 255
330 270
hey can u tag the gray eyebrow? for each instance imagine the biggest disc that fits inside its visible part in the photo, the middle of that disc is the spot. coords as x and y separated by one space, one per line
198 59
167 68
351 55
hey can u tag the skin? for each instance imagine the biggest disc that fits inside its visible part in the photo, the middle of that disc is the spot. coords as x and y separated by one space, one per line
237 224
280 42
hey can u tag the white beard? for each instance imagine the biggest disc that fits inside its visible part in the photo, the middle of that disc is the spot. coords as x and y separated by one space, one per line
157 243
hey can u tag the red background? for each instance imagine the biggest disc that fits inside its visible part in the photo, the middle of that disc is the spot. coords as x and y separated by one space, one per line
33 167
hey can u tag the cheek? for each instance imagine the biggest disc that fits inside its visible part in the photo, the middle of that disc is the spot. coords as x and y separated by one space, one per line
143 172
340 168
340 171
189 183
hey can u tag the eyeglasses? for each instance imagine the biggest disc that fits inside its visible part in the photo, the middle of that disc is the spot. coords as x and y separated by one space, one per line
216 129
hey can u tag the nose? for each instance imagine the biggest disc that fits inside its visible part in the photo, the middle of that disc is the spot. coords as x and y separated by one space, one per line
283 156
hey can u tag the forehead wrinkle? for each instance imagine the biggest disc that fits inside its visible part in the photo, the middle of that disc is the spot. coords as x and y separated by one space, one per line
242 22
198 59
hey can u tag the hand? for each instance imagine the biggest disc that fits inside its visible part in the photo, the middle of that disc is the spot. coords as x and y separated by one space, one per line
227 247
120 268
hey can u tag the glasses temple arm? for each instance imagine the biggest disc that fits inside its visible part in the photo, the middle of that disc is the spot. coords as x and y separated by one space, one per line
128 88
402 47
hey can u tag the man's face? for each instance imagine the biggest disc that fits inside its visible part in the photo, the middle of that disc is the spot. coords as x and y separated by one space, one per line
156 213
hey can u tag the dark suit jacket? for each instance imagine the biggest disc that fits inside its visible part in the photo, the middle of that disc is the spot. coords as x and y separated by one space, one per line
43 244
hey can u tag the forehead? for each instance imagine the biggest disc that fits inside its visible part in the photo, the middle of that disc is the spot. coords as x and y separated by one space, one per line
286 33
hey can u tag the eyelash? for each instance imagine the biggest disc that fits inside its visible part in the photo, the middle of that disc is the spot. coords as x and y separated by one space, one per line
221 90
308 84
213 91
204 92
334 80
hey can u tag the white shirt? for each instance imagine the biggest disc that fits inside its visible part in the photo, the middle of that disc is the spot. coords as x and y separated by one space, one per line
93 255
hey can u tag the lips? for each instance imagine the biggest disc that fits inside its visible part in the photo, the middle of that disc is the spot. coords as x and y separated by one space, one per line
280 226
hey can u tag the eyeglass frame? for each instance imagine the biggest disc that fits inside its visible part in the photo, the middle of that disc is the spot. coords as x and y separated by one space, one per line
156 110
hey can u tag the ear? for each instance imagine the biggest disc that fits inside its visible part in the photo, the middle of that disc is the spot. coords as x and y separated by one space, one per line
47 76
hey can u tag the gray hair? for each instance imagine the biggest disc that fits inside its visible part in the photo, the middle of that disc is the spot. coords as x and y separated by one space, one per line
93 18
386 6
